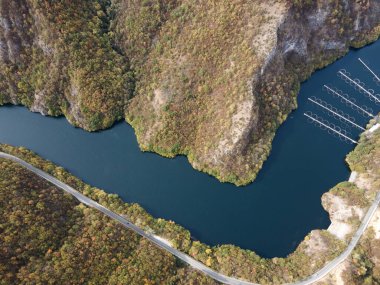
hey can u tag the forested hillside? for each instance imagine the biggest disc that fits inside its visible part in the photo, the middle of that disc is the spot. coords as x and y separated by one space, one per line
209 79
47 237
57 58
46 234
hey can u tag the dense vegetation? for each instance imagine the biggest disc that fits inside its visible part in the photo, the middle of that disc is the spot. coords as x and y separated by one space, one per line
65 62
364 267
215 94
219 94
365 157
227 259
47 237
87 59
193 90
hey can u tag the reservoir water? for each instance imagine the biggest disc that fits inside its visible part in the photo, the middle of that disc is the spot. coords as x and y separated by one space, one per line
270 216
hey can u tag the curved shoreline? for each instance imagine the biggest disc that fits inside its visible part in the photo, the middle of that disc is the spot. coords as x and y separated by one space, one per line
163 244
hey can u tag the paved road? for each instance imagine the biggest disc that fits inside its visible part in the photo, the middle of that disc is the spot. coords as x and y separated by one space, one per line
355 239
182 256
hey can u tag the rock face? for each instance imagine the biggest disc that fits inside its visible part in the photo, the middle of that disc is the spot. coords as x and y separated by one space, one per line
225 119
209 79
56 58
347 203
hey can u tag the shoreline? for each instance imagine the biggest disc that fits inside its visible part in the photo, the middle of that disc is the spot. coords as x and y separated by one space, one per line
166 245
301 247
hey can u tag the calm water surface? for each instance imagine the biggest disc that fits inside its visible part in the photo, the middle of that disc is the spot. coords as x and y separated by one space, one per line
270 216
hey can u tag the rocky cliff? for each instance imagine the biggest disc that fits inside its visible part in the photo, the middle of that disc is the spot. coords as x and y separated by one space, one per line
209 79
56 58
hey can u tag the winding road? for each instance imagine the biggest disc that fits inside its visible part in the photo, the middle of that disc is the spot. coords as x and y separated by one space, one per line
182 256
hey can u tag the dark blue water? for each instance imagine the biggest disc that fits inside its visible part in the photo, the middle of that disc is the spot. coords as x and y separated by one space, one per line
270 216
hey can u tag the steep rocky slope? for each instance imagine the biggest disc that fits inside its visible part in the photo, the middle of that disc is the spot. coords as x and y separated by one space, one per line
218 94
209 79
56 58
